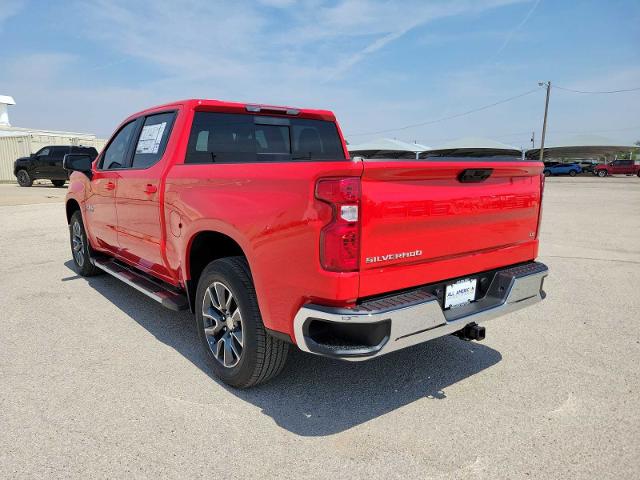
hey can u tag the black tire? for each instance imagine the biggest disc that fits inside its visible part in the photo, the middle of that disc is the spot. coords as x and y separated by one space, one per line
24 179
572 173
58 183
80 249
547 173
638 173
602 173
262 356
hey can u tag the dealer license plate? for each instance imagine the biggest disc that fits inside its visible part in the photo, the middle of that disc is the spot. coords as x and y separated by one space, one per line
460 293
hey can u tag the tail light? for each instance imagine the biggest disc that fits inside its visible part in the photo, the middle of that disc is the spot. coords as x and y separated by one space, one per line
540 207
340 239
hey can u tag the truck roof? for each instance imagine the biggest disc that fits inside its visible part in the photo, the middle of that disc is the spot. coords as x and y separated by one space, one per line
237 107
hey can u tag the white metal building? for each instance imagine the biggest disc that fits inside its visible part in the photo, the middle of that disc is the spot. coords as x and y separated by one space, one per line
21 142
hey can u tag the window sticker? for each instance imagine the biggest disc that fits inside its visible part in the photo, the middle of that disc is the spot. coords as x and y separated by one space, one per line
150 138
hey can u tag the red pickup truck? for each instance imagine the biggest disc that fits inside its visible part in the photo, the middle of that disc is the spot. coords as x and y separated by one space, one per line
617 167
255 218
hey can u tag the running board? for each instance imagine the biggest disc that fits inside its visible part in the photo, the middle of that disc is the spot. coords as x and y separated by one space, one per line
163 294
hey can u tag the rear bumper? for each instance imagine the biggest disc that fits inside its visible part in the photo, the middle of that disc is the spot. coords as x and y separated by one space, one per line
380 326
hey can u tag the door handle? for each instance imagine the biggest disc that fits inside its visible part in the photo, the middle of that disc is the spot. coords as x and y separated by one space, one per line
150 188
110 186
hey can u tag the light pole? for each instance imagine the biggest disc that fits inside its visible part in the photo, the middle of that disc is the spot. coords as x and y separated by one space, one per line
544 123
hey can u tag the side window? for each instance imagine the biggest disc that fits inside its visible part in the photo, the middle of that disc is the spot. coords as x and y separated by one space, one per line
115 154
44 152
85 150
59 152
153 139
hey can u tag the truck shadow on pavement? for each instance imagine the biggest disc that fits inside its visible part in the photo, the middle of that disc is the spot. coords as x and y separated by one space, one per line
316 396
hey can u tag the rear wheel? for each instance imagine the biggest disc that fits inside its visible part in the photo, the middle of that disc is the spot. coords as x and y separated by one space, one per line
547 173
602 173
572 173
58 183
24 179
240 351
80 248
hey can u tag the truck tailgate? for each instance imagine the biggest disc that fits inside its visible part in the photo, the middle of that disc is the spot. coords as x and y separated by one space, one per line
421 224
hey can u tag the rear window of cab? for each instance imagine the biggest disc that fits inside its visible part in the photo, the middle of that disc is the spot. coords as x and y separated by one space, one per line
244 138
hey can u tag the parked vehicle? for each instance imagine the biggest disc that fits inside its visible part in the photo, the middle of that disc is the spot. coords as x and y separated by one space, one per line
562 169
618 167
588 166
46 164
255 218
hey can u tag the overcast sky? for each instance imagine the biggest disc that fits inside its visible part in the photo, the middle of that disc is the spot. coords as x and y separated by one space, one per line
84 66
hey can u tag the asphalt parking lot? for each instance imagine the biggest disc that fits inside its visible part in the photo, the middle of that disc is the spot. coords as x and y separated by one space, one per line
98 381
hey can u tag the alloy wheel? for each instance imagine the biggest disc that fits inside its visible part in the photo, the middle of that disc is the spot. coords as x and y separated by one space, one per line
222 321
77 244
23 177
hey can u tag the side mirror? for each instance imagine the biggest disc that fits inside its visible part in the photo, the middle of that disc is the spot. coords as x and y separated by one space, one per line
32 155
78 162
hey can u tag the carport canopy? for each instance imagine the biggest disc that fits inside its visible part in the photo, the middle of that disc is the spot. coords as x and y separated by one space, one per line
387 148
472 146
581 146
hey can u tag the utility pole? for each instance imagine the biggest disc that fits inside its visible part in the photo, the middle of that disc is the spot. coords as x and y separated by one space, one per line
533 139
544 123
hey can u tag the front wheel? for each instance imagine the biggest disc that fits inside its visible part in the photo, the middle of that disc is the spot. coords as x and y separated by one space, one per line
572 173
24 179
80 248
547 173
240 351
58 183
602 173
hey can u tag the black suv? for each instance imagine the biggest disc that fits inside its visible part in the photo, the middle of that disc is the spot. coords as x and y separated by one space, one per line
47 164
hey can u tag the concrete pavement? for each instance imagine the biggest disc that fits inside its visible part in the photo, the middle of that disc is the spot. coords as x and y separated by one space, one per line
97 381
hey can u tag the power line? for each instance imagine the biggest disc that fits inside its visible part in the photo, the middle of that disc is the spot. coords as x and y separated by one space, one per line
457 115
596 92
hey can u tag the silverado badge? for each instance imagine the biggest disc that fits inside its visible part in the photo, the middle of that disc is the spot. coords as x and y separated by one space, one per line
393 256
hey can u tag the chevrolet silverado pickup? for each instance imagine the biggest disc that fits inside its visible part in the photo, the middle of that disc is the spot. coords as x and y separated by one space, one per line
255 218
